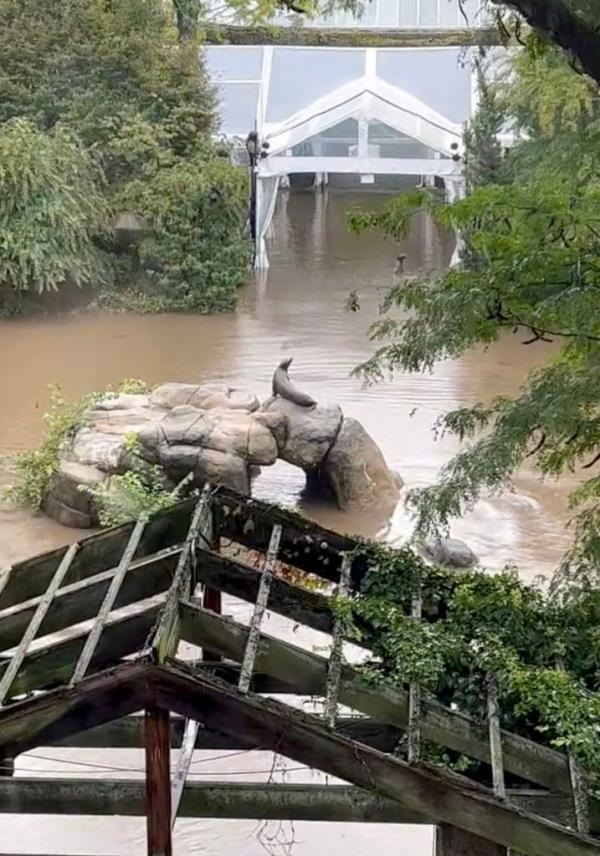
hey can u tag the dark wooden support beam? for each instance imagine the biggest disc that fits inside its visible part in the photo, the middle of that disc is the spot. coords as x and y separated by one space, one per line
450 841
304 544
522 757
303 738
61 713
30 579
128 733
53 664
242 581
350 37
240 800
158 782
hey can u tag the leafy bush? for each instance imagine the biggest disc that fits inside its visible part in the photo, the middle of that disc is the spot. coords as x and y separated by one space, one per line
51 209
196 255
475 624
35 468
117 75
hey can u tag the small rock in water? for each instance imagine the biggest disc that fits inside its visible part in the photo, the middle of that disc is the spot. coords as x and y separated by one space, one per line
451 552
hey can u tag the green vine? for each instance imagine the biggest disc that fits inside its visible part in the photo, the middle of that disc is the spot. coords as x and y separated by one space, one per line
475 623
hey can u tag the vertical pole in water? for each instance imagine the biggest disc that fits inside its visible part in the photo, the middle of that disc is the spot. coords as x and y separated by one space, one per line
158 782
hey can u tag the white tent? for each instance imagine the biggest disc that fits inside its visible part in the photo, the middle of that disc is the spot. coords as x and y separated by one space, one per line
325 110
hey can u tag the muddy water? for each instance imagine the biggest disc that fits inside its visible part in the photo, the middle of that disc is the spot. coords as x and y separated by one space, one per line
297 309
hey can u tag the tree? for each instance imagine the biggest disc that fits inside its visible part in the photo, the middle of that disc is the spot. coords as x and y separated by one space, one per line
52 209
531 265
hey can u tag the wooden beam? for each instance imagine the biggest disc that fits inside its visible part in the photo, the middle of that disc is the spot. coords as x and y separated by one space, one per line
292 733
246 800
242 581
522 757
304 544
128 733
56 715
30 579
52 664
158 782
350 37
81 601
166 638
91 643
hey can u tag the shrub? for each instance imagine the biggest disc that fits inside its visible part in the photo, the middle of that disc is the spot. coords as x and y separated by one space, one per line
51 210
196 256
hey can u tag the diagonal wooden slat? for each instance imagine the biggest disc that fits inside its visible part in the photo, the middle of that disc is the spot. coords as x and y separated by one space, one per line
91 643
335 659
166 637
259 610
36 621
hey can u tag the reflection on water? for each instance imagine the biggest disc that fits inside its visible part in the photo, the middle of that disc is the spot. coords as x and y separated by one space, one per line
296 309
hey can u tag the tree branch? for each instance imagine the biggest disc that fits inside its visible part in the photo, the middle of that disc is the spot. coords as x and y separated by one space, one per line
556 21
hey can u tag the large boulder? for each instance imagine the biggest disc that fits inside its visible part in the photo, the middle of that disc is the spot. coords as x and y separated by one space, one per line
205 396
356 472
451 552
97 449
309 432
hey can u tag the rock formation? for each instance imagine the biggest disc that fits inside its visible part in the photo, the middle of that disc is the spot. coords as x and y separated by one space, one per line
222 436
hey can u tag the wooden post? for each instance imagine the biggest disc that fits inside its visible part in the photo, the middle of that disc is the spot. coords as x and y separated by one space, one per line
451 841
495 737
158 782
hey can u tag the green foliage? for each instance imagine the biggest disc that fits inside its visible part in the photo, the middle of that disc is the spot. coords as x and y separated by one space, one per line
196 256
35 469
473 625
142 490
51 209
529 268
119 78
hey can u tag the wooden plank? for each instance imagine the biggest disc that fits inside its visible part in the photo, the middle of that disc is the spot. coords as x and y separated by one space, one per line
304 545
52 664
215 799
350 37
91 643
128 733
580 795
36 621
81 601
259 610
97 553
242 581
166 638
296 735
414 694
334 673
158 782
60 713
493 711
522 757
450 841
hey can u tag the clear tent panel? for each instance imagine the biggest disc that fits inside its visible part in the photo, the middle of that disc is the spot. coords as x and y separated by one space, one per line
386 142
237 108
239 63
301 76
439 77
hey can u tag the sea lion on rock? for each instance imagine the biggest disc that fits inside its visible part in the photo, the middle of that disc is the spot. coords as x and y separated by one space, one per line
283 386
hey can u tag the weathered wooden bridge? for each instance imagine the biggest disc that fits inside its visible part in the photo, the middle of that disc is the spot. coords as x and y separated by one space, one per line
118 681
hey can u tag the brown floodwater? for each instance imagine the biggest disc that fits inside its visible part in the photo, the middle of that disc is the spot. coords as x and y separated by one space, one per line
296 309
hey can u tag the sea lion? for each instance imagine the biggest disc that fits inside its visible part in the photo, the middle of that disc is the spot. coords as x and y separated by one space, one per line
283 386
